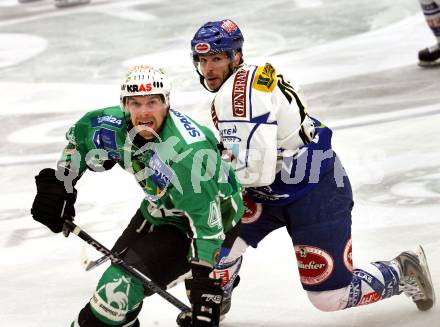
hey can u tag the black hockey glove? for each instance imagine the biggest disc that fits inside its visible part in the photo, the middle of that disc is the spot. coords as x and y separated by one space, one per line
205 295
52 204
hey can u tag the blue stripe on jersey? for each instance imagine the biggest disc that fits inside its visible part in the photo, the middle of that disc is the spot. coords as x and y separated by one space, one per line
256 120
280 192
263 120
250 93
248 143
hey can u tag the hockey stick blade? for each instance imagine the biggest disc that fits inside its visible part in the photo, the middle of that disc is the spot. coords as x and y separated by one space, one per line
89 264
95 263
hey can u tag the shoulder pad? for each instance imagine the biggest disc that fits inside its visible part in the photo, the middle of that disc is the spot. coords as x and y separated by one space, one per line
265 78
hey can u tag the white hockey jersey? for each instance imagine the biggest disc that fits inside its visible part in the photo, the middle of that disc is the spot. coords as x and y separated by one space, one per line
278 150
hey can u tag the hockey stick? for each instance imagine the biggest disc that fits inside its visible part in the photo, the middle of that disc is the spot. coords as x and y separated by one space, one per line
87 263
114 258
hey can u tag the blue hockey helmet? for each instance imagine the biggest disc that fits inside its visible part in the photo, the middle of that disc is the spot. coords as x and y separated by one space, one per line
215 37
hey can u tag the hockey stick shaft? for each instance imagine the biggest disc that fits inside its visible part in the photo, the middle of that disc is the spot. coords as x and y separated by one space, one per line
72 227
92 264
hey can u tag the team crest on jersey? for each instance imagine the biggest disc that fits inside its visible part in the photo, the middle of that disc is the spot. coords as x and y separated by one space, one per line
161 173
105 138
265 78
111 299
315 265
348 257
239 93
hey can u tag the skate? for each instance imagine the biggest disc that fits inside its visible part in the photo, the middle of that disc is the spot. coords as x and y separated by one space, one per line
184 317
415 280
224 308
226 304
430 56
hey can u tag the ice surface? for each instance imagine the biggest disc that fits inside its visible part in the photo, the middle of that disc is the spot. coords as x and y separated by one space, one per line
357 65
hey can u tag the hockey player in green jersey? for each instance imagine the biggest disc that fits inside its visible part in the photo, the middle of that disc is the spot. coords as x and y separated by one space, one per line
192 202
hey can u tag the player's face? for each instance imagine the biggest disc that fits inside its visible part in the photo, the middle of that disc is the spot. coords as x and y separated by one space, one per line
215 69
147 114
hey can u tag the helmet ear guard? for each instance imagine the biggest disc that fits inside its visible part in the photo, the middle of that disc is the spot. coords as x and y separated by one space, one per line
142 80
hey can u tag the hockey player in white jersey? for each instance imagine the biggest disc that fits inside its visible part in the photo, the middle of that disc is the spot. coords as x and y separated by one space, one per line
293 179
431 56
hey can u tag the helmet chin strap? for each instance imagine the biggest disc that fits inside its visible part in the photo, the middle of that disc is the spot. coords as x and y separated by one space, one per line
203 82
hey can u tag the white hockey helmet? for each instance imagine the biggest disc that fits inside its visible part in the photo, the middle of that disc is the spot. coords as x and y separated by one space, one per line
145 80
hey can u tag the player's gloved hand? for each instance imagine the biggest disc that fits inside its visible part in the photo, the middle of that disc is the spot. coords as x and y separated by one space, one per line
205 295
52 204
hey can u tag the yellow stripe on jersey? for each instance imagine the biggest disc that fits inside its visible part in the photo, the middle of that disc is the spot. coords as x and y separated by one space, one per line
265 78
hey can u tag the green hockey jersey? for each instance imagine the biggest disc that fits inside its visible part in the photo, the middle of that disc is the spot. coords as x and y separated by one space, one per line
184 180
